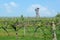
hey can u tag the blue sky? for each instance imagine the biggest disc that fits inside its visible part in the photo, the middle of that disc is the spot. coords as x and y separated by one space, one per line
15 8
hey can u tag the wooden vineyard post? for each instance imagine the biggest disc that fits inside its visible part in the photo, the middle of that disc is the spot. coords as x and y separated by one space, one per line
24 25
16 35
24 30
54 31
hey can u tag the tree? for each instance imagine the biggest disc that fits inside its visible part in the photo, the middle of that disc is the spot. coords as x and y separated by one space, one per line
4 27
58 15
14 26
5 30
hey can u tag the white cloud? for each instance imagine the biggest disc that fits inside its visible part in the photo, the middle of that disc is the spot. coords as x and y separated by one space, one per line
13 4
44 11
9 6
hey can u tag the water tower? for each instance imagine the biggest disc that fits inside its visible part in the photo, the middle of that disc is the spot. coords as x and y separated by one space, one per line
37 12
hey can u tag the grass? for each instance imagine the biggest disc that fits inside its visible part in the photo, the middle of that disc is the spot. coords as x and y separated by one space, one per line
39 35
20 38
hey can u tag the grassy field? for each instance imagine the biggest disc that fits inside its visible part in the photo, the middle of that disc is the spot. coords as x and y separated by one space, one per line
20 38
39 35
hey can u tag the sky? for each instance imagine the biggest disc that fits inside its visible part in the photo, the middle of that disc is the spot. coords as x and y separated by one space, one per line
16 8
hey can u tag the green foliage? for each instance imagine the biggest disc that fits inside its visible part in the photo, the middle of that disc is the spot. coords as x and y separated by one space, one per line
42 26
58 15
